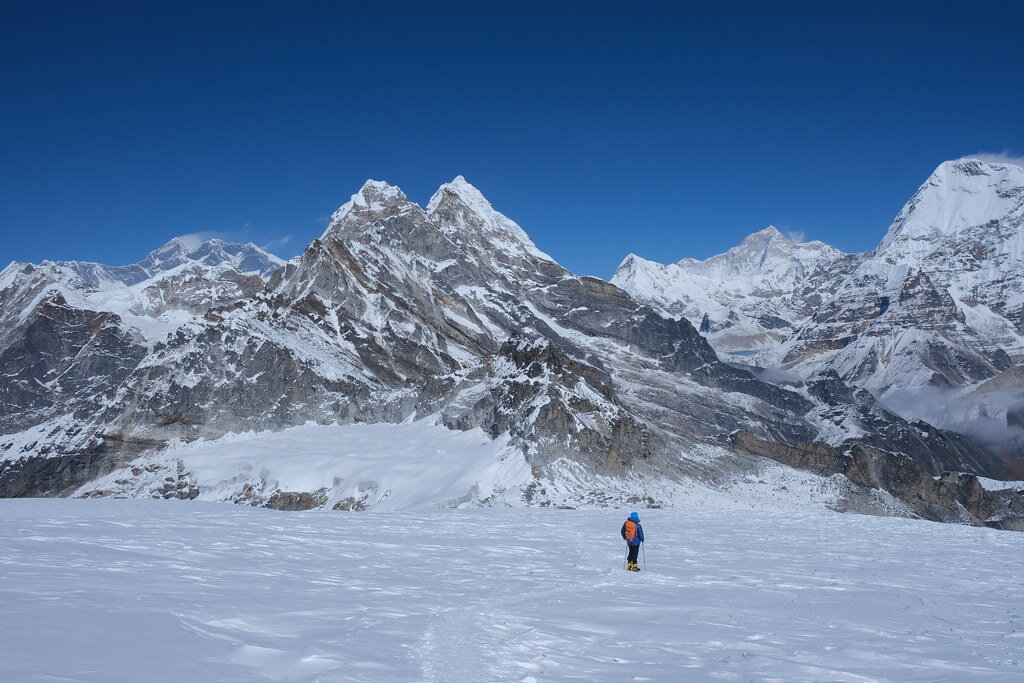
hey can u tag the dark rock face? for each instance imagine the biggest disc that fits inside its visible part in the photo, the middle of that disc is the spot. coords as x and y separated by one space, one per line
60 360
59 474
860 315
560 406
935 450
705 324
294 501
953 497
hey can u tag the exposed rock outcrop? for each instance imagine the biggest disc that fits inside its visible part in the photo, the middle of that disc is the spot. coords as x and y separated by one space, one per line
949 497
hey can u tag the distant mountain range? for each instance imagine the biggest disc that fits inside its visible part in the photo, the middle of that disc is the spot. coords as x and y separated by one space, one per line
930 322
606 392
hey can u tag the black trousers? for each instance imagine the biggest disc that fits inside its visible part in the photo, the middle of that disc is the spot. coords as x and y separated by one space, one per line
633 551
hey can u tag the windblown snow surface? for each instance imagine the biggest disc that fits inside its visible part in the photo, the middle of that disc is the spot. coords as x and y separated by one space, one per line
139 590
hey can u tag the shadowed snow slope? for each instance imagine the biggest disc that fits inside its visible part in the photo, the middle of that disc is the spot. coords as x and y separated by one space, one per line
733 590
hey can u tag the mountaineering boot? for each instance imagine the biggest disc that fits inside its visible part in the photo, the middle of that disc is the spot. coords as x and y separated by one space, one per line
633 567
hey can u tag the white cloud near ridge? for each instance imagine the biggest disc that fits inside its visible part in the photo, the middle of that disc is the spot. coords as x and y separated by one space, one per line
194 240
1004 157
274 244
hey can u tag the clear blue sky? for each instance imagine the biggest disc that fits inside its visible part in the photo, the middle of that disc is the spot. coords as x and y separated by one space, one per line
652 128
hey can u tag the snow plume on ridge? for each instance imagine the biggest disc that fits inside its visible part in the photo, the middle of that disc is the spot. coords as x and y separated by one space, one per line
1003 157
795 236
194 240
982 417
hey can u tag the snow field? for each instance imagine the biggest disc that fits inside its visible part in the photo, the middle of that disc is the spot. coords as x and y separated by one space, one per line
130 590
396 467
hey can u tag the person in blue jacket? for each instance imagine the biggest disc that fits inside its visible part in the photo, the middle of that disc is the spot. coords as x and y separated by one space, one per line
633 535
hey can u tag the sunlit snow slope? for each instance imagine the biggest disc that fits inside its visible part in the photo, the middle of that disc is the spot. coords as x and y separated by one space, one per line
733 590
381 466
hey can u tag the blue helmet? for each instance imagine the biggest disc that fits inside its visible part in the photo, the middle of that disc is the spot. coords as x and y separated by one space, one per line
635 517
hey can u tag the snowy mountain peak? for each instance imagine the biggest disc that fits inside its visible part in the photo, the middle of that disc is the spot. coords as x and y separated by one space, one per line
770 234
765 251
458 206
177 252
375 196
176 247
457 213
971 166
631 263
378 191
959 196
745 299
246 258
461 189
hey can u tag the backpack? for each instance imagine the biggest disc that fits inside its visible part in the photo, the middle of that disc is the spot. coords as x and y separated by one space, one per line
630 530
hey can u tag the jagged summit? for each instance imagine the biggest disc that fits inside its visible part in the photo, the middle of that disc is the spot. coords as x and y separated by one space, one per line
939 305
375 196
768 250
247 258
774 237
458 210
459 206
461 189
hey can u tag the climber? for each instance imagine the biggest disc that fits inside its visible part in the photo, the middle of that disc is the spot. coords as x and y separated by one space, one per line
633 535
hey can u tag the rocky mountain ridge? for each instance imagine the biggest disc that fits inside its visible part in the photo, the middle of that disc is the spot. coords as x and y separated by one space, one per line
400 314
929 322
749 298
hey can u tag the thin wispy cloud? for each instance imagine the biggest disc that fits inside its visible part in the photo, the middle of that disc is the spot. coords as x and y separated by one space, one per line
194 240
277 243
795 236
1004 157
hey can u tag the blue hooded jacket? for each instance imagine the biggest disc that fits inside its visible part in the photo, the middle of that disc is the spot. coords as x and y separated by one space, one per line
639 538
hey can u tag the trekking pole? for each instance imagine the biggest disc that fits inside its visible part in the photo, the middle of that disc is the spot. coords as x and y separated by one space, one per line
644 551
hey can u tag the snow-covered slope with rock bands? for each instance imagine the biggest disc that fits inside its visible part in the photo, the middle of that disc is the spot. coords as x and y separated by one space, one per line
445 315
930 322
747 299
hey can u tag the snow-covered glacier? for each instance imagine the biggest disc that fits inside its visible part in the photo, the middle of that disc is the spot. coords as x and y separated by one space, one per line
740 586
